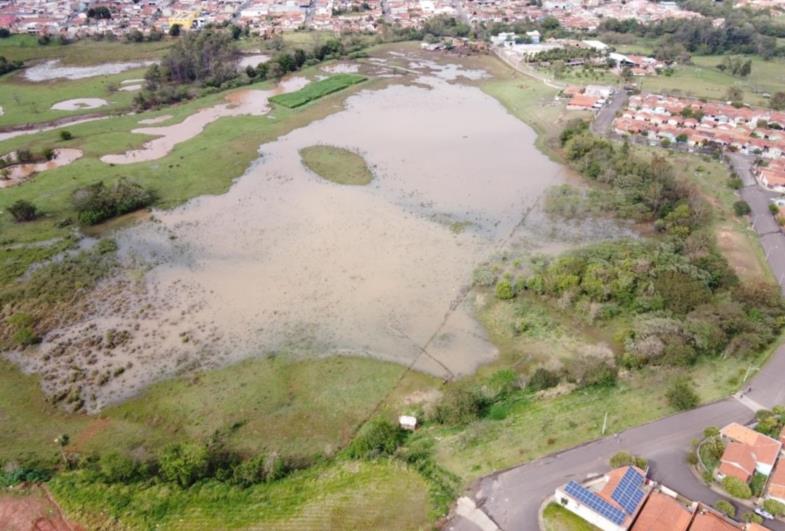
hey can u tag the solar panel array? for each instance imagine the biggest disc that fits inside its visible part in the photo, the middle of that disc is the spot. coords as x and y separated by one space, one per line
628 493
591 500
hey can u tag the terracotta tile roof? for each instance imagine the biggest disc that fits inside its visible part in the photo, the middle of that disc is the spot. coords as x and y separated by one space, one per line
764 448
662 513
708 520
776 487
737 461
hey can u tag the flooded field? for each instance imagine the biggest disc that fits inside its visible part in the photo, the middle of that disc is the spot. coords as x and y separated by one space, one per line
79 104
18 173
287 260
243 102
50 70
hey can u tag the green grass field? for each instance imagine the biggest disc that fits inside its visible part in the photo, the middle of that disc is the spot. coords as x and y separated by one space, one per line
317 89
344 495
703 80
557 518
24 102
298 408
338 165
83 52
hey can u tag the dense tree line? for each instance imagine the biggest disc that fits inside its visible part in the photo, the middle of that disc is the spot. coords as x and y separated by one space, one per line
679 296
741 33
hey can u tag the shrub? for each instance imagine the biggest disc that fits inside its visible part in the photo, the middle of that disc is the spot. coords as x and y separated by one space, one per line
542 379
620 459
66 135
258 469
735 183
774 507
681 394
116 468
741 208
184 463
379 437
774 209
736 488
504 290
22 210
726 508
753 518
460 404
96 203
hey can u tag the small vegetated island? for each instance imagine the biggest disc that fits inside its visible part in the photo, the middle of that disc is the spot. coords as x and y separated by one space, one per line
317 89
339 165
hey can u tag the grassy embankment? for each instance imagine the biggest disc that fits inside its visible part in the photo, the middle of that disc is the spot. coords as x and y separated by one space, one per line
557 518
317 89
338 165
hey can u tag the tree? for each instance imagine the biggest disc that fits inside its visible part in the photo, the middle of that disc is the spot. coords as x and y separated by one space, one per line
746 68
681 394
774 507
5 33
778 101
734 95
23 210
726 508
620 459
736 488
174 30
184 463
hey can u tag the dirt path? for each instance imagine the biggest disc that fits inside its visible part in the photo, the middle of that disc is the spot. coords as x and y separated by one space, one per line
33 510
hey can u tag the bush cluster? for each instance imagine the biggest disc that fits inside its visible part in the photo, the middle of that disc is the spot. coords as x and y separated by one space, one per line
97 202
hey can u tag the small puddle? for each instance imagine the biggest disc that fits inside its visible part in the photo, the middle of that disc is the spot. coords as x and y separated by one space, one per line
50 70
251 60
18 173
79 104
239 103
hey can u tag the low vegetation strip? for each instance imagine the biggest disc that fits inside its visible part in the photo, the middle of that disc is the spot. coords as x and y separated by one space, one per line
335 164
317 89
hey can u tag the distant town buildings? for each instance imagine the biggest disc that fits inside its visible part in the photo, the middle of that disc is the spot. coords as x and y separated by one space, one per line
75 19
750 130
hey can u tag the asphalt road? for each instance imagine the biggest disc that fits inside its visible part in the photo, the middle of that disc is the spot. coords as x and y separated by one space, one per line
512 498
604 120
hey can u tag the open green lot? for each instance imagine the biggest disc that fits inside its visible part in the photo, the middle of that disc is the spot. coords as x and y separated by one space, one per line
336 164
702 79
317 89
296 408
557 518
346 495
25 102
83 52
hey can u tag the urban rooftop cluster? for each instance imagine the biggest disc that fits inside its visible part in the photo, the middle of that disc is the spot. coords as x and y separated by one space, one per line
75 19
749 130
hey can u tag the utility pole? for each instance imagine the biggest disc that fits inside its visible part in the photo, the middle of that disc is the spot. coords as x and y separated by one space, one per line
605 423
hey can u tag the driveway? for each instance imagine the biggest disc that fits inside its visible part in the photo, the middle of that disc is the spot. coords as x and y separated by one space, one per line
512 498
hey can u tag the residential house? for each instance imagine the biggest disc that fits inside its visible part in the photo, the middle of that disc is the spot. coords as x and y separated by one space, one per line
764 450
610 502
663 512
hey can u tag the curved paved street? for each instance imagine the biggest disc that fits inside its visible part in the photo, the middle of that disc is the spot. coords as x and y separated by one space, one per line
512 498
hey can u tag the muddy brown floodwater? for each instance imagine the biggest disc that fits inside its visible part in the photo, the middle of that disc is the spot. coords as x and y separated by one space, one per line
18 173
287 260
